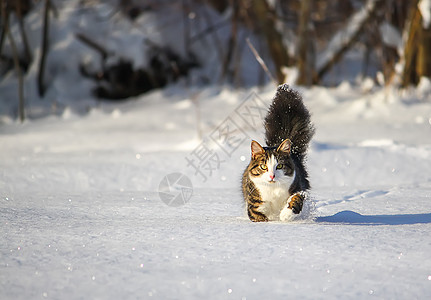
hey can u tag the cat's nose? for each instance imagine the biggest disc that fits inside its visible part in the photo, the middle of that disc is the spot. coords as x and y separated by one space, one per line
271 176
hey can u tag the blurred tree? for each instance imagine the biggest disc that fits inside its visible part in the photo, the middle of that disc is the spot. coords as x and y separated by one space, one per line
266 20
346 37
232 43
6 7
306 51
417 50
45 44
20 8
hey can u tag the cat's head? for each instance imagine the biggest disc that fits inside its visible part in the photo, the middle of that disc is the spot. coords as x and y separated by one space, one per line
271 164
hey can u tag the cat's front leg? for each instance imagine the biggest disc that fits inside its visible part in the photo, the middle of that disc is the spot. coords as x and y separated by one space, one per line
293 207
255 215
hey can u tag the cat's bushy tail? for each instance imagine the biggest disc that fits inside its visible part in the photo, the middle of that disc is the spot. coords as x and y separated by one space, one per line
288 118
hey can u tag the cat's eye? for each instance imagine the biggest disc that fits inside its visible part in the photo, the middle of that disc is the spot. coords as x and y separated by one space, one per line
280 166
263 167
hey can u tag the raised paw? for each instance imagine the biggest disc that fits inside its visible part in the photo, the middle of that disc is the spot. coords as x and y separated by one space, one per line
295 203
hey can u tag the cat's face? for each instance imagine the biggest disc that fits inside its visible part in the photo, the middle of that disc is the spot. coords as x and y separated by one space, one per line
271 165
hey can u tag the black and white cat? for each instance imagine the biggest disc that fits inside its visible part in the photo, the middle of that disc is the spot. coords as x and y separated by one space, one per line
275 182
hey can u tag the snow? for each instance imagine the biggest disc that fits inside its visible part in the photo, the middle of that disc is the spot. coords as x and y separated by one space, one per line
390 35
82 218
425 9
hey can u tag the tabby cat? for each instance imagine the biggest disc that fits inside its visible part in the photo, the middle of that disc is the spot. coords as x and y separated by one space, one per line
275 182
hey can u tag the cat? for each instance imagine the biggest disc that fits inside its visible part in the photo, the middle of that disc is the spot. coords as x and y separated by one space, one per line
275 182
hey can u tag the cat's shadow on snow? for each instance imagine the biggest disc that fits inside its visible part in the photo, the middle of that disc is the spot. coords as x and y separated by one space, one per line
354 218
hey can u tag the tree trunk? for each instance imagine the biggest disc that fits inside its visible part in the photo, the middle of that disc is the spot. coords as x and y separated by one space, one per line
305 48
232 43
40 77
20 16
267 23
417 59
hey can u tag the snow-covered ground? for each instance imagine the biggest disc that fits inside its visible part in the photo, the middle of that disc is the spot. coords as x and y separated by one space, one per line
81 217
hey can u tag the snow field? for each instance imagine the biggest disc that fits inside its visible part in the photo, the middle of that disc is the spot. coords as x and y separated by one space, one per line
81 217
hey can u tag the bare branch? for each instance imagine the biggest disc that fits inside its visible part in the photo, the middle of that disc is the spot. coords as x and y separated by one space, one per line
260 60
18 70
86 40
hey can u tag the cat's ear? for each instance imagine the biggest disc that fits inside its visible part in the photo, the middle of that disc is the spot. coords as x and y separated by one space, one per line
256 149
285 146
